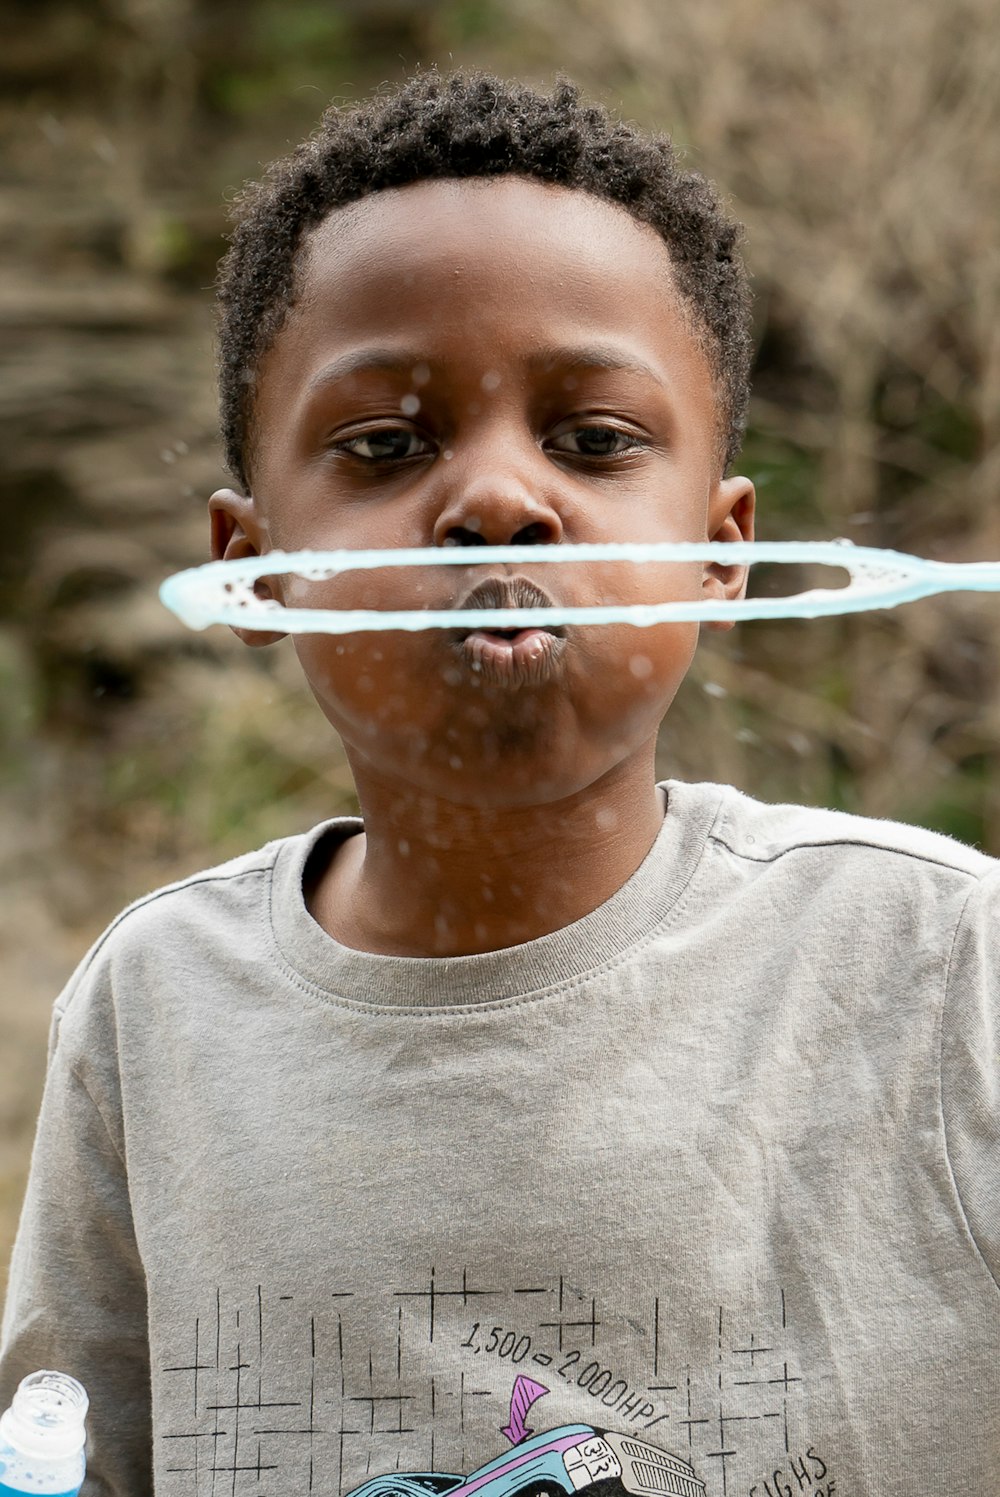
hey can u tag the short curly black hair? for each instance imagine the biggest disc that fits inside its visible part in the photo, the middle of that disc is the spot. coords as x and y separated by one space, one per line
474 125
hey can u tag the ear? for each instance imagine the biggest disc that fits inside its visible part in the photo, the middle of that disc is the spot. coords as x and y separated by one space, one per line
237 532
730 518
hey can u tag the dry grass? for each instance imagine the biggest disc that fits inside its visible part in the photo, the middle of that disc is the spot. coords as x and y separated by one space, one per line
39 952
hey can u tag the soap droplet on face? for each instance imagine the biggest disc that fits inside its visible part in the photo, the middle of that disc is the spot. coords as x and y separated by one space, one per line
404 847
420 374
447 454
442 927
410 405
490 380
606 818
641 667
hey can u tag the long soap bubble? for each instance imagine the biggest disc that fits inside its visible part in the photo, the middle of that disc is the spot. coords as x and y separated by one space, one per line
221 592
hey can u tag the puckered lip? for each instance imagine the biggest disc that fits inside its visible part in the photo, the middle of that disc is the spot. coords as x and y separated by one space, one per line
508 592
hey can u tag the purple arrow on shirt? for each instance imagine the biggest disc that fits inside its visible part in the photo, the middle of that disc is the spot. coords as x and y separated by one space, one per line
526 1392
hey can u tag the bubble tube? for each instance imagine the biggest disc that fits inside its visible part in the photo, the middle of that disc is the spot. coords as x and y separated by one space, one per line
221 592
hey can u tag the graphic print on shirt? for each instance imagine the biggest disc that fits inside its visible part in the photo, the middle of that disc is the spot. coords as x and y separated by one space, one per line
556 1463
432 1387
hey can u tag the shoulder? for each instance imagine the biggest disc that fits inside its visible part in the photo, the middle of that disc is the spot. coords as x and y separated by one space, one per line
854 877
762 833
893 903
213 921
208 894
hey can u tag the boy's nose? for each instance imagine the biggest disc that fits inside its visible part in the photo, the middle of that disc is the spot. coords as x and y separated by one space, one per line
500 512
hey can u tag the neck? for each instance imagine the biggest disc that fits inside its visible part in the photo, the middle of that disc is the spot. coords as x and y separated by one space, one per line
432 878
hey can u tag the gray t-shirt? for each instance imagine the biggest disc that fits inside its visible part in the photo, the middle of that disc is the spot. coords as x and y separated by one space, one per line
703 1190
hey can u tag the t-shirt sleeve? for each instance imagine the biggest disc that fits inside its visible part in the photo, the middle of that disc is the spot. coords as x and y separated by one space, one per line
970 1068
76 1299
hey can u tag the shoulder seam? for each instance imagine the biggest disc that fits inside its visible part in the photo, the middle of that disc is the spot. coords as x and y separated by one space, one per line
208 877
904 852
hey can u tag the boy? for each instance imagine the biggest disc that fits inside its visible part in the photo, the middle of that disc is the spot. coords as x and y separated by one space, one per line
606 1135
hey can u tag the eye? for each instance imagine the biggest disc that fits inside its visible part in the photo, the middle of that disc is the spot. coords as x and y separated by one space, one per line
595 440
387 444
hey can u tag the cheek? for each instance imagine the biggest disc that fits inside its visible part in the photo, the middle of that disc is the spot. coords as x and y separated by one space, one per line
381 589
667 582
631 583
630 662
371 683
632 675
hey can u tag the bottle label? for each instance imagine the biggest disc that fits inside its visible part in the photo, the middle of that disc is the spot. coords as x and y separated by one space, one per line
37 1487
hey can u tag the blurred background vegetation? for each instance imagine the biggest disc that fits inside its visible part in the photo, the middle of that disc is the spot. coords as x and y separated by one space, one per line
859 144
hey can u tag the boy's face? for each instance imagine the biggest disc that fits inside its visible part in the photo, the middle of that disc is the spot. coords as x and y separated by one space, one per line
489 362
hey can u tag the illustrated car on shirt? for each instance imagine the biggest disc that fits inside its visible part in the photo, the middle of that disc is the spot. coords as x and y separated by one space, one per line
569 1459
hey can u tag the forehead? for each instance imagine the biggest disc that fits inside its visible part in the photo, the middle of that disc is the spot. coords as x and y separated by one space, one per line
459 272
503 219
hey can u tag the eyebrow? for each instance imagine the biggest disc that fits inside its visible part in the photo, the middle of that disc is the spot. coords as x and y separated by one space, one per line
386 360
391 361
593 356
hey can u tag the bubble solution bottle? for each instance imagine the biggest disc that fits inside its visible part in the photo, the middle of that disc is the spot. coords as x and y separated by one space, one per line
42 1437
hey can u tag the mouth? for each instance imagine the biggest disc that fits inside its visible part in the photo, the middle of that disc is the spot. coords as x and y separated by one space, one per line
516 656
